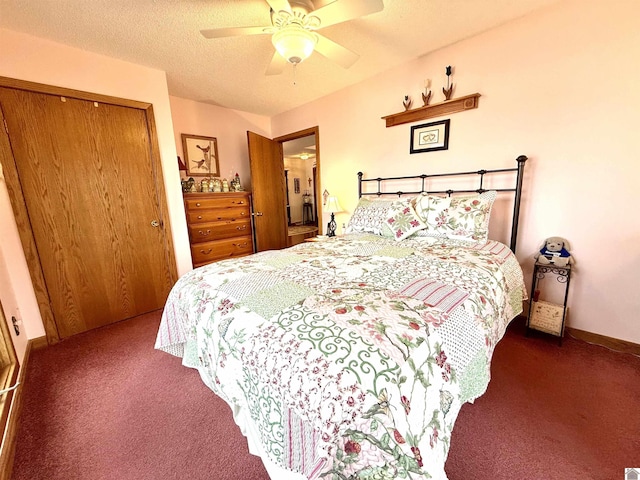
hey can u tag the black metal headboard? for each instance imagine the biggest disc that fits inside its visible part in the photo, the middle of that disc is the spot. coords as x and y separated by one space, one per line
517 189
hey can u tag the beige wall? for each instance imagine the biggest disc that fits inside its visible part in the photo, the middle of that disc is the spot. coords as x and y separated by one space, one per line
560 86
229 127
29 58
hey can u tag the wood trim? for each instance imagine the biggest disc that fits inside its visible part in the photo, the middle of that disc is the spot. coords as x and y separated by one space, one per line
39 343
69 92
616 344
9 441
455 105
299 134
27 240
161 200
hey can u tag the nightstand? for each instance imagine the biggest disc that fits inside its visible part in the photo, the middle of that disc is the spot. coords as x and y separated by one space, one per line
546 316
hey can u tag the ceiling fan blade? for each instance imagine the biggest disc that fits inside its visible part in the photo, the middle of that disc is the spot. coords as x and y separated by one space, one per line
236 31
343 10
279 5
276 67
336 52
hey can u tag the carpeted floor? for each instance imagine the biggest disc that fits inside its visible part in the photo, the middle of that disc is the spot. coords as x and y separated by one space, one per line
105 405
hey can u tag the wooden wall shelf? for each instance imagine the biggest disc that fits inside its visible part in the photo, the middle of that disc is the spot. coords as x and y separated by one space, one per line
437 109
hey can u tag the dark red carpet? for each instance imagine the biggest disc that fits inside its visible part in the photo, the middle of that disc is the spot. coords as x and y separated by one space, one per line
106 405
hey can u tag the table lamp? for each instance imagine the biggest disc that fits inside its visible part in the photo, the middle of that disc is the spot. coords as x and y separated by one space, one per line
332 207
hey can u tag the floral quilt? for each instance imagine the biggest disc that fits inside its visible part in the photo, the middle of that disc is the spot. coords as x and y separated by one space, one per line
353 355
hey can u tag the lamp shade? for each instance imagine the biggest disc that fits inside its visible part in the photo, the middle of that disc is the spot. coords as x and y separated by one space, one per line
332 206
294 43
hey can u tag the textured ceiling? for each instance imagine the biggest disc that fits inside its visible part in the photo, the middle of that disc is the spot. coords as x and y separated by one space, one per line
165 34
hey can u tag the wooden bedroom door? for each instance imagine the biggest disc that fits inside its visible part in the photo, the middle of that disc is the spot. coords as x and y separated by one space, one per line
89 187
268 192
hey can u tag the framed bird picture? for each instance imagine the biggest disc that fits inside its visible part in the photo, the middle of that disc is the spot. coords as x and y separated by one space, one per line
200 155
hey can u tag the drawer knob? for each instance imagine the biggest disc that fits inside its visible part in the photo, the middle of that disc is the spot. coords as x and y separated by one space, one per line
207 252
204 234
240 245
198 204
241 227
199 217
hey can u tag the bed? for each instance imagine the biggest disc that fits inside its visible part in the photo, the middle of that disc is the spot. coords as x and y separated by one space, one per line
351 357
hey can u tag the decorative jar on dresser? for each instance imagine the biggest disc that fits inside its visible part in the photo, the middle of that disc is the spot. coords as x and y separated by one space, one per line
219 226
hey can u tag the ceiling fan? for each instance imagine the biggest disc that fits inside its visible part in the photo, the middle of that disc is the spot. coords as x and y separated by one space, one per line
293 28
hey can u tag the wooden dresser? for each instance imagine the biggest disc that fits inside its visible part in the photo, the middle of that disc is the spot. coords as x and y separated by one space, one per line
219 226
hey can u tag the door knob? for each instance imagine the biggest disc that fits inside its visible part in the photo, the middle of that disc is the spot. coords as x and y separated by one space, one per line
155 223
257 214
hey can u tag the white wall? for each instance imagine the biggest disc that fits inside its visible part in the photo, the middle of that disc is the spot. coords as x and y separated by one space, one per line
33 59
560 86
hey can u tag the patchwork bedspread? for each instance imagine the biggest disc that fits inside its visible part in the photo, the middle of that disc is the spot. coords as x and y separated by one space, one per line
353 355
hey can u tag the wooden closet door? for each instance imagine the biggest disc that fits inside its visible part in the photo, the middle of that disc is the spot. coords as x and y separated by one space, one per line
88 181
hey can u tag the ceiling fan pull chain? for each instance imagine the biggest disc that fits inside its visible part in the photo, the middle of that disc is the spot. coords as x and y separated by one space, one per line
294 74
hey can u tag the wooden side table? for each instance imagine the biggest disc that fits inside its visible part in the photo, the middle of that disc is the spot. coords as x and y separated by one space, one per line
544 316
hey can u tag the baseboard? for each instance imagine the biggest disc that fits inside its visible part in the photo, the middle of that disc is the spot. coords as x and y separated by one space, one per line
609 342
39 342
616 344
10 433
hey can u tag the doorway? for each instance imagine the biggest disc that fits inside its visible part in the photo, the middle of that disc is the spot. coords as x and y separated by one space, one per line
269 190
299 157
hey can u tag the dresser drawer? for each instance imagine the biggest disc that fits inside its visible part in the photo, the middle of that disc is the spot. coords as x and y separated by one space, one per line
206 252
206 232
218 214
194 204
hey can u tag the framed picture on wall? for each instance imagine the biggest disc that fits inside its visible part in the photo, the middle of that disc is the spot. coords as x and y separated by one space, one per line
430 137
200 155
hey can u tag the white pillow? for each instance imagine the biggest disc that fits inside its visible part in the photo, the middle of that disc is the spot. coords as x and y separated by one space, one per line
369 216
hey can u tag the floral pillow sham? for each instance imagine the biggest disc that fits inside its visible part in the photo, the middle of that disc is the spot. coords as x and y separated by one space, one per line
402 219
460 218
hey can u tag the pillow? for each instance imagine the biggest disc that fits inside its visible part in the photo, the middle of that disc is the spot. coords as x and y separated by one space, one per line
402 219
464 218
369 216
432 210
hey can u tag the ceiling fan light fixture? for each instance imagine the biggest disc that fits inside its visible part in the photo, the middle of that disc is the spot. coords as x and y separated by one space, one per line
294 43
